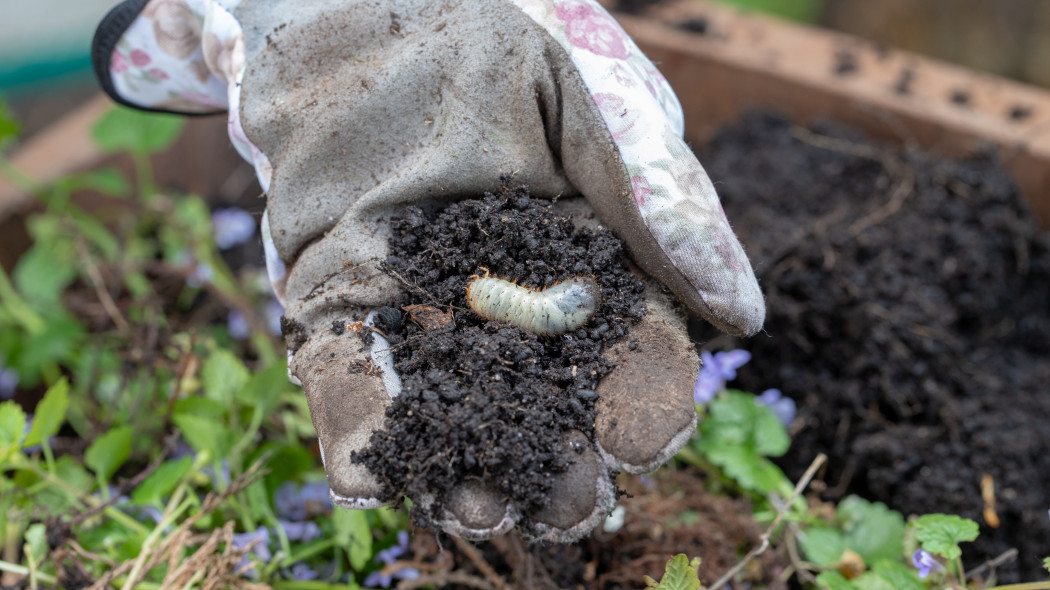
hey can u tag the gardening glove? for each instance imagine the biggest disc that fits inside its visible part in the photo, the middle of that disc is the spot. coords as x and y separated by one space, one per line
351 110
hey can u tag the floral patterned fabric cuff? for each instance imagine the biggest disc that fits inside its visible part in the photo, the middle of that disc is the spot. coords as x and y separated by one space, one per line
149 55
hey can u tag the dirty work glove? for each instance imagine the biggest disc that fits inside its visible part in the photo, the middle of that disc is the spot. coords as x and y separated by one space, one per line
353 109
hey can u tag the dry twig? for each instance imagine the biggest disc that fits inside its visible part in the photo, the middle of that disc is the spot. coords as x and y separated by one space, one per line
768 534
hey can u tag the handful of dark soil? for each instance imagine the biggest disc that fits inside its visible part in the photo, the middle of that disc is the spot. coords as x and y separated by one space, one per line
484 400
909 314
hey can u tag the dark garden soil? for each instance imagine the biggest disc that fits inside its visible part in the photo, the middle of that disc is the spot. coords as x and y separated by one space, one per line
484 399
909 316
665 514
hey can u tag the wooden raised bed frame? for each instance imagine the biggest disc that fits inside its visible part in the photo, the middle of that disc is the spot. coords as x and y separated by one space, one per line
739 61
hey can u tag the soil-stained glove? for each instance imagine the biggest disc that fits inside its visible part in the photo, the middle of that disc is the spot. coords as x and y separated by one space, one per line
353 109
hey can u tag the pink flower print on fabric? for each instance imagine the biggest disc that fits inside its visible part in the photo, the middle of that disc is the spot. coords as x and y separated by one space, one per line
642 189
727 252
624 77
158 74
618 116
140 58
594 30
118 63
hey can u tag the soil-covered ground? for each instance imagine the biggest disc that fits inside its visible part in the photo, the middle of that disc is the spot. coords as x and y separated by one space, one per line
667 513
488 400
909 316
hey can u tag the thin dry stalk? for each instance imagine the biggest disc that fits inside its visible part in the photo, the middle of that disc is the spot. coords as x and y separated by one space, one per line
768 534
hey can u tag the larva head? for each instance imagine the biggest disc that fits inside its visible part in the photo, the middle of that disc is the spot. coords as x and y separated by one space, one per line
580 295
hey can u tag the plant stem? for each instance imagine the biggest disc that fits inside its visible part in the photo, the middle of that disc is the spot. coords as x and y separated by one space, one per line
19 570
18 308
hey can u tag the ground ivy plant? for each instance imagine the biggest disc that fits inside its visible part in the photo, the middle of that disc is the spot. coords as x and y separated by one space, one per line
139 446
853 545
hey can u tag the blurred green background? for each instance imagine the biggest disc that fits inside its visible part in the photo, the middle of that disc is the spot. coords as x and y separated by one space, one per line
45 66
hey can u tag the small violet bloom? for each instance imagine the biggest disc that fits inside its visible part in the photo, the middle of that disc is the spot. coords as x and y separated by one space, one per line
295 503
716 370
233 227
925 563
300 531
383 577
783 407
303 572
274 311
8 382
237 325
261 549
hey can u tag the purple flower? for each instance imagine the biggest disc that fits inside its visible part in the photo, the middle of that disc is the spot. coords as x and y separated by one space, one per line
232 226
300 531
237 325
303 572
201 273
925 563
274 311
783 407
716 370
259 541
8 382
221 479
295 503
384 577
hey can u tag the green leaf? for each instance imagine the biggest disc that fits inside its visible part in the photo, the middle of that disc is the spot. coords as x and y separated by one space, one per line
135 131
50 413
736 418
108 181
679 574
872 581
109 452
8 125
206 434
833 580
265 387
942 533
73 474
800 10
823 546
199 406
161 482
36 541
748 470
56 343
900 576
353 534
871 529
12 427
43 272
223 375
1046 563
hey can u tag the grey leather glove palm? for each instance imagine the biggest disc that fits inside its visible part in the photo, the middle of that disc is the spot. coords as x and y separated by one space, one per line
352 110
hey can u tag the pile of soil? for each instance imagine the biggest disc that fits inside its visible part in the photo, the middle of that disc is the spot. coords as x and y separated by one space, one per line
486 400
909 316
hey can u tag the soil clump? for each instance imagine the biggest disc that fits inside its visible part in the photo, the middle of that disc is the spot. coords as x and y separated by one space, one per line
485 400
908 315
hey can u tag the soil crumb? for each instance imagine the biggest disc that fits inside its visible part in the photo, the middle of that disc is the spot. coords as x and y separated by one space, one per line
909 315
484 400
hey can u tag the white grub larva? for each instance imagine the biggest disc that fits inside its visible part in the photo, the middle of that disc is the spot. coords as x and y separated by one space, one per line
555 310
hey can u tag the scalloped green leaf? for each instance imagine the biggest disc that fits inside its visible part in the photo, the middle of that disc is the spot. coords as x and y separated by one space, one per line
679 574
942 533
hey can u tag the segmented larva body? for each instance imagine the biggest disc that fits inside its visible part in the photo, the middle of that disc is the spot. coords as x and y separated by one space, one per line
555 310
